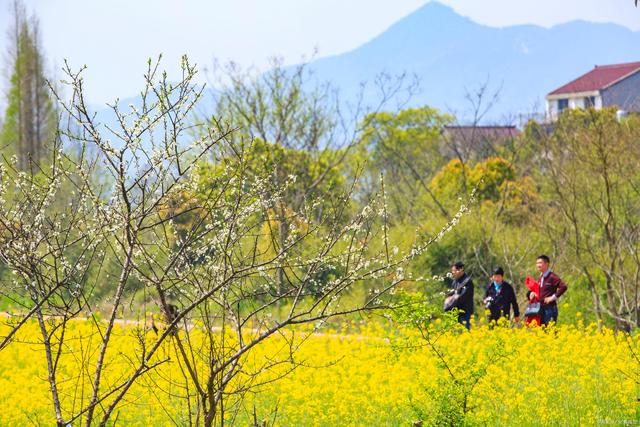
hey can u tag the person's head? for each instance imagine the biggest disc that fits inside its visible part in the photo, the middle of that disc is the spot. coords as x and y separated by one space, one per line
542 263
457 269
498 275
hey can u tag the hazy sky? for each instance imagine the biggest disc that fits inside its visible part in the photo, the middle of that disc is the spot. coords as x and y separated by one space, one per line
114 38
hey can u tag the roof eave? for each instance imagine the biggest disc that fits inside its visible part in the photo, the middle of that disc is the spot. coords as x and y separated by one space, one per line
555 96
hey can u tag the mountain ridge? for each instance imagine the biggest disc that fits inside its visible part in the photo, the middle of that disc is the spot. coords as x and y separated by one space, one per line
450 52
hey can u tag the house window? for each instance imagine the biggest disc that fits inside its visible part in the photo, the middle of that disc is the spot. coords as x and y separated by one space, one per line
562 104
589 101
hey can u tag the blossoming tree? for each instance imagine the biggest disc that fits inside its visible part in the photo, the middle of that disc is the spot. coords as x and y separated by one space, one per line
105 214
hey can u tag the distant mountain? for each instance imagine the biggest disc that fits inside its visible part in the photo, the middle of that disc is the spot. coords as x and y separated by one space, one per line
450 53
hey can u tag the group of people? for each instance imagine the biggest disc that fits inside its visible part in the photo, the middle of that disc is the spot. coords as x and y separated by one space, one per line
500 297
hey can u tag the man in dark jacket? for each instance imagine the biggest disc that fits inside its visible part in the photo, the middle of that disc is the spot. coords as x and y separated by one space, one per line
462 288
500 298
551 288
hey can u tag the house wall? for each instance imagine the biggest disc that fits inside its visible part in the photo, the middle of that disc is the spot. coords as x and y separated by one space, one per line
574 102
552 109
624 94
580 102
598 105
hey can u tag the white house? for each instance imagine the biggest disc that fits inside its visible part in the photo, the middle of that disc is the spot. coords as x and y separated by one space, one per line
606 85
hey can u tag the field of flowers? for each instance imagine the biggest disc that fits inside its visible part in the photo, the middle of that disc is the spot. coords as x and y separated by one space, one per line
570 375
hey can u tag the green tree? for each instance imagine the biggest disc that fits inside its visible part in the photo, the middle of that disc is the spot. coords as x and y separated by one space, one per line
30 119
297 129
588 171
405 148
499 230
490 178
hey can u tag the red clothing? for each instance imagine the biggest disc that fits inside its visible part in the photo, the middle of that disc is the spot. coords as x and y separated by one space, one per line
534 287
552 285
547 286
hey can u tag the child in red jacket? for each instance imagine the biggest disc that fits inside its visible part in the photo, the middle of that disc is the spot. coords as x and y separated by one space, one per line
531 314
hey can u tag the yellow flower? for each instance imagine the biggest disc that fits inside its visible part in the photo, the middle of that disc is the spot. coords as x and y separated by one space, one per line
364 377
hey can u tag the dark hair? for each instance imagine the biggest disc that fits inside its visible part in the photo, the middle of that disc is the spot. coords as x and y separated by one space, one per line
544 258
498 271
458 265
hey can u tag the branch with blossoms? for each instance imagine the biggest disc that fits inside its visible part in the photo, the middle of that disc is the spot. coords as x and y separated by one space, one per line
123 212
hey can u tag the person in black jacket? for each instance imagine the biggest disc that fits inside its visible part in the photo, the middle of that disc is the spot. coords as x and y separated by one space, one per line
462 289
500 298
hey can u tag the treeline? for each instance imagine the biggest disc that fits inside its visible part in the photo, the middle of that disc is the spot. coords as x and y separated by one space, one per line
569 189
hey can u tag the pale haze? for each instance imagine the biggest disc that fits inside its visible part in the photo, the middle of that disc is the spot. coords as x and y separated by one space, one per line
114 38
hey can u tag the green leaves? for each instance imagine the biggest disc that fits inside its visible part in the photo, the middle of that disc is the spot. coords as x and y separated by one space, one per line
30 121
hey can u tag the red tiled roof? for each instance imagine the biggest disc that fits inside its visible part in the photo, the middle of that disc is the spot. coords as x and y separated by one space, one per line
598 78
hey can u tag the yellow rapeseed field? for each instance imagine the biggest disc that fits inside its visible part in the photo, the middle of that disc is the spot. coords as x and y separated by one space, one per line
570 375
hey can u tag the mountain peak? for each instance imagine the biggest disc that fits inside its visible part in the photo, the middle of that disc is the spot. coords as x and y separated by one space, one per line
434 18
434 10
431 23
437 7
450 53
